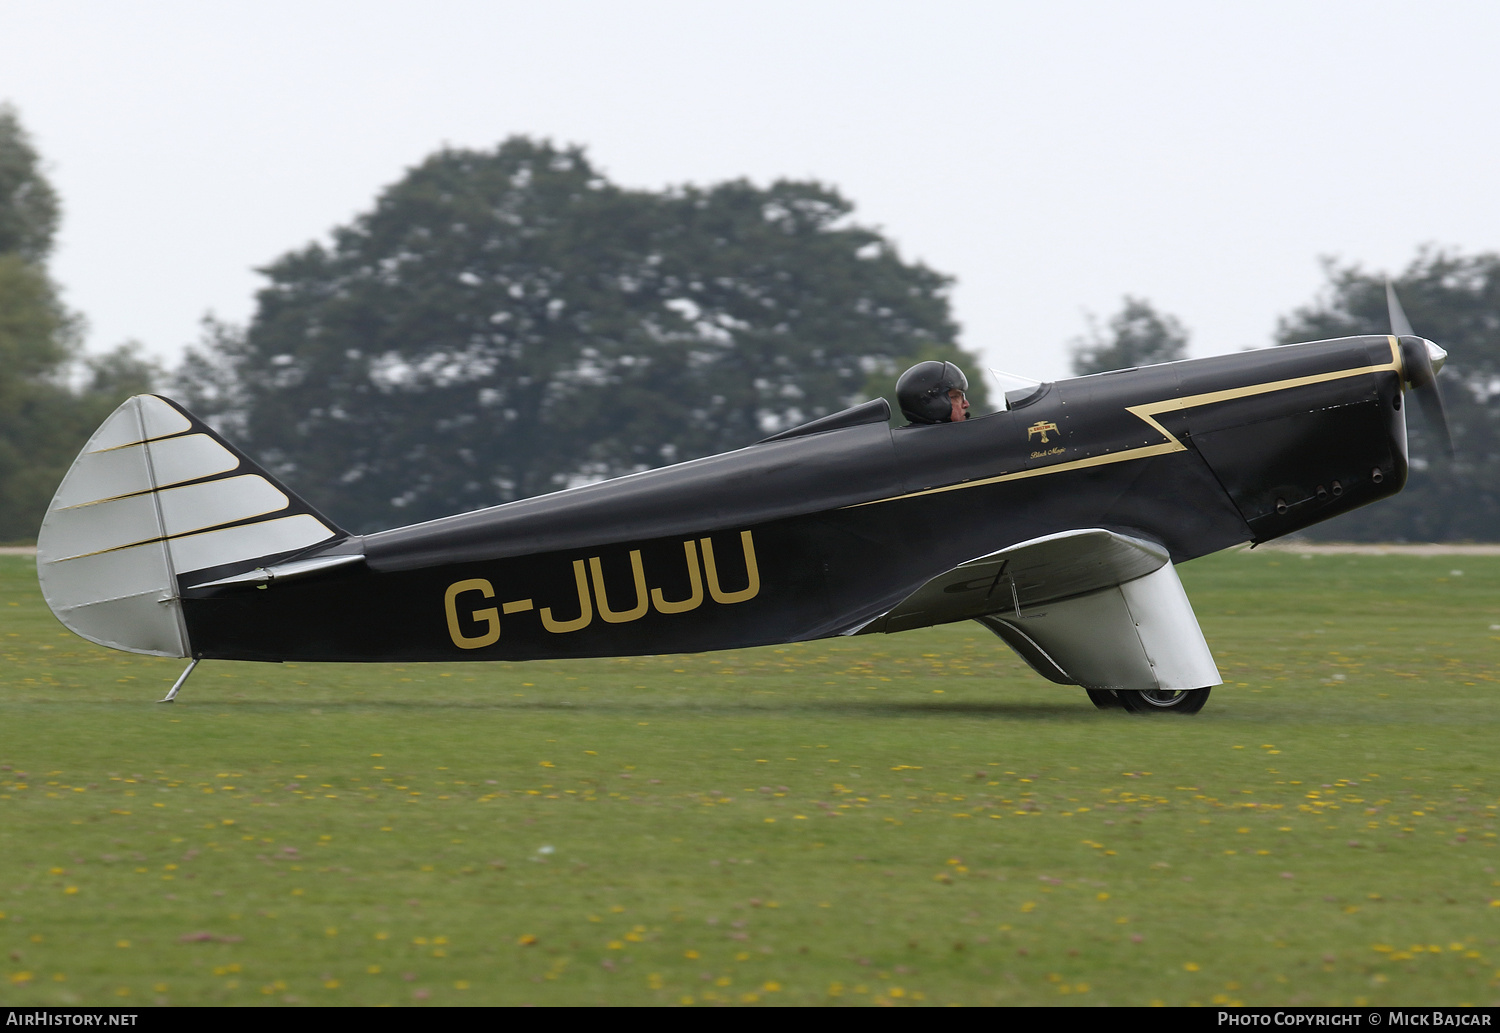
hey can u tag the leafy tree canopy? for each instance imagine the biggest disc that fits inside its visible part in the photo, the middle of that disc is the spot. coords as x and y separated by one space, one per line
1454 300
1137 335
507 322
43 419
28 204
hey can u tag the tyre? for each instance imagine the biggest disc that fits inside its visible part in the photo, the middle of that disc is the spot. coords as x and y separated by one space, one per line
1163 701
1104 699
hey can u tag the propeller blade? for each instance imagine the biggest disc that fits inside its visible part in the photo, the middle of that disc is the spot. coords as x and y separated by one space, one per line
1437 417
1422 360
1417 356
1399 325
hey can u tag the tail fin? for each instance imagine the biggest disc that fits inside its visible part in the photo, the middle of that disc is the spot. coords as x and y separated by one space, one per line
156 494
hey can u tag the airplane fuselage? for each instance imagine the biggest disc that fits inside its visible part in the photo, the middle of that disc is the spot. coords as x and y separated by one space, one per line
821 534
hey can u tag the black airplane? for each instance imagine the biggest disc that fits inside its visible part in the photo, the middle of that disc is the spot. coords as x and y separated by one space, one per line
1056 523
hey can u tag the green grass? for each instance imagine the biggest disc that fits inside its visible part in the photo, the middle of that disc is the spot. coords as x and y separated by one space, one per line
904 819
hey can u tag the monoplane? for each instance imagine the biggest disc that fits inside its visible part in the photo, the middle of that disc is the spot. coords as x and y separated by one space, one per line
1056 522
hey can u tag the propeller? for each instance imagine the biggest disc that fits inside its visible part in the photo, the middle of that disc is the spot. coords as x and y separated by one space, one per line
1422 360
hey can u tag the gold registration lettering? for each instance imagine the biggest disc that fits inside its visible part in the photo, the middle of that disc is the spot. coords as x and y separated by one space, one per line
695 585
588 585
585 605
642 599
489 615
750 591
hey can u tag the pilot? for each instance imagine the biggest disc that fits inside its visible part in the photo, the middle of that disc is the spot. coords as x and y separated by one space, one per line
933 392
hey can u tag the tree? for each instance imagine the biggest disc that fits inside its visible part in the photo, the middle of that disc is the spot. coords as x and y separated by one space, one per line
1454 300
507 322
36 338
44 420
1138 336
28 203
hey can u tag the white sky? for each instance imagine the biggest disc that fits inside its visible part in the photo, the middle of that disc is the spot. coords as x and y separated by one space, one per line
1052 156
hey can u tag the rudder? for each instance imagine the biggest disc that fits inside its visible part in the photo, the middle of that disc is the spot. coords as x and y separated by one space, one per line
156 494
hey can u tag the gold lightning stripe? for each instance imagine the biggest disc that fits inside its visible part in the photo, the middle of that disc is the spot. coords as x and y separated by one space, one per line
1148 412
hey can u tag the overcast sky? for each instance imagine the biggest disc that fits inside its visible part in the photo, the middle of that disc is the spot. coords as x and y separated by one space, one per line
1051 156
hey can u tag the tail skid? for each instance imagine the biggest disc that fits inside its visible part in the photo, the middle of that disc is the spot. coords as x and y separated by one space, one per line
156 494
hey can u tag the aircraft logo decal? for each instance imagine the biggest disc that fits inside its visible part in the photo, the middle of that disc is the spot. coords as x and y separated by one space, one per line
597 602
1043 428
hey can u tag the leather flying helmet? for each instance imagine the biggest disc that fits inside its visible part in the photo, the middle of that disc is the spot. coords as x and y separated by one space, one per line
923 390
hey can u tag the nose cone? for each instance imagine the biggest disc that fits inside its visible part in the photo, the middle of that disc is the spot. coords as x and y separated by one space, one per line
1436 354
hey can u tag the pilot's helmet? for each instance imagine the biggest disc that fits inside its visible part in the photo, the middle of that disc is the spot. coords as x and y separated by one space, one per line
923 390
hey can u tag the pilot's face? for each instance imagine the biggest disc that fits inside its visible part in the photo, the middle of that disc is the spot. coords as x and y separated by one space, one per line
960 406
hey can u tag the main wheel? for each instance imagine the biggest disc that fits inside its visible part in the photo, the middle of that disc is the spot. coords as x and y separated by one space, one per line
1104 699
1163 701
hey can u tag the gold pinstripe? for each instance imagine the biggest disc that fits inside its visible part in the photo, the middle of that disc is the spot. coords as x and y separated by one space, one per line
248 518
1149 411
143 441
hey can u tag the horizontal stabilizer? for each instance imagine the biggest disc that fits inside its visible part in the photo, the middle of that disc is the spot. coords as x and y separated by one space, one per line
156 494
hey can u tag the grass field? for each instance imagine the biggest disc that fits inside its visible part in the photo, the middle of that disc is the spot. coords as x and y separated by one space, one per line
913 819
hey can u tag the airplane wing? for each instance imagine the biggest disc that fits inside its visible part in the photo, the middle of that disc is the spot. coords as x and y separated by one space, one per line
1087 607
